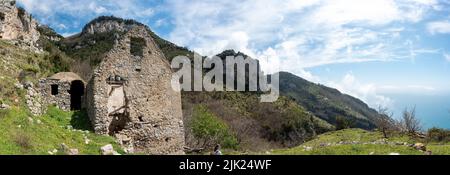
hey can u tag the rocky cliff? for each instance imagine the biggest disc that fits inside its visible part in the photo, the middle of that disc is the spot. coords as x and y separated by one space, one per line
17 25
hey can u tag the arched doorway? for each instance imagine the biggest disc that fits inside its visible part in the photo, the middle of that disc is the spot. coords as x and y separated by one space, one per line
76 94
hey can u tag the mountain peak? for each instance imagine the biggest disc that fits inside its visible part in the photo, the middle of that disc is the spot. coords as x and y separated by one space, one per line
110 23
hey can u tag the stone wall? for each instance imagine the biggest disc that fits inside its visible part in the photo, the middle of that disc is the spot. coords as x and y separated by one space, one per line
34 99
66 90
130 97
17 25
62 99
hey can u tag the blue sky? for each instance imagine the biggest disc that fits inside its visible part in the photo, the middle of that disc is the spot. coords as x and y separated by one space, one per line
374 50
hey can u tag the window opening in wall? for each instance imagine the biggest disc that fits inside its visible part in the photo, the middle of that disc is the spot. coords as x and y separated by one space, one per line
137 46
54 89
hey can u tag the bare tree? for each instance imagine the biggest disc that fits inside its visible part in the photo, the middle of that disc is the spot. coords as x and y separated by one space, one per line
410 122
385 121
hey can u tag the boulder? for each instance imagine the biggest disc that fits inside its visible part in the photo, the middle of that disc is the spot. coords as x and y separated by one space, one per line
420 147
108 150
73 152
308 148
4 106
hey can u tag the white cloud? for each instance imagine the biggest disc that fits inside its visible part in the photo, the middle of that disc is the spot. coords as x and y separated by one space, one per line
447 57
439 27
69 34
295 35
366 92
50 11
96 8
300 34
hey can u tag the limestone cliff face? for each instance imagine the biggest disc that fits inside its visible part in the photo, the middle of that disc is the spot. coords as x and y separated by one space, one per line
130 94
17 25
106 26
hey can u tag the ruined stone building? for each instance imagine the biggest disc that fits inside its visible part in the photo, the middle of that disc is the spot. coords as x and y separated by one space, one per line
17 25
65 90
130 96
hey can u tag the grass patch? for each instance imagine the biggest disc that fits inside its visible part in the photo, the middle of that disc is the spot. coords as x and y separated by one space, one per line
22 134
361 142
357 149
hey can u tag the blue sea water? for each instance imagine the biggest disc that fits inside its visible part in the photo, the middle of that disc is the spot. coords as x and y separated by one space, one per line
432 110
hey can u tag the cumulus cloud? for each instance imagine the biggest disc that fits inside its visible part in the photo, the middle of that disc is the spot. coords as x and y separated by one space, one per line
300 34
366 92
439 27
376 95
296 35
76 13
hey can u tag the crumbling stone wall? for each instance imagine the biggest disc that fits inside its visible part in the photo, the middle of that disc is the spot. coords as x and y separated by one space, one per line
61 99
130 97
66 90
17 25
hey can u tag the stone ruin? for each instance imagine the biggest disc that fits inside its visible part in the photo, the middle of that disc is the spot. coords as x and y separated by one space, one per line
129 96
65 90
17 26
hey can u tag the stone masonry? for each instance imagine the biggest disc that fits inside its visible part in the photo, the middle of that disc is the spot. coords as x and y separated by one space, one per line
130 97
65 90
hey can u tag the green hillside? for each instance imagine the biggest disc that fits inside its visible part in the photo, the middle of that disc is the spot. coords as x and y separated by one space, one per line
327 103
362 142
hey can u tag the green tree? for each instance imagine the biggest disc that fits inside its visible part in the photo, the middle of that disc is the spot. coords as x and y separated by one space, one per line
209 130
344 123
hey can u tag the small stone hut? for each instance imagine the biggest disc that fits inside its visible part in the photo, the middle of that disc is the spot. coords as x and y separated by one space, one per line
65 90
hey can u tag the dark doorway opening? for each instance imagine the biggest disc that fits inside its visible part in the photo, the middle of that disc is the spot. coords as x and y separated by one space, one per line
2 16
119 122
76 94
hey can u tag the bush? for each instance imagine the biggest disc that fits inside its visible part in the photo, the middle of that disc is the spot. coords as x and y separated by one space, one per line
56 60
344 123
438 135
210 130
23 141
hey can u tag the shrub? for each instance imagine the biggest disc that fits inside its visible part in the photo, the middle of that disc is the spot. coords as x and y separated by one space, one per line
344 123
23 141
209 130
438 135
410 122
